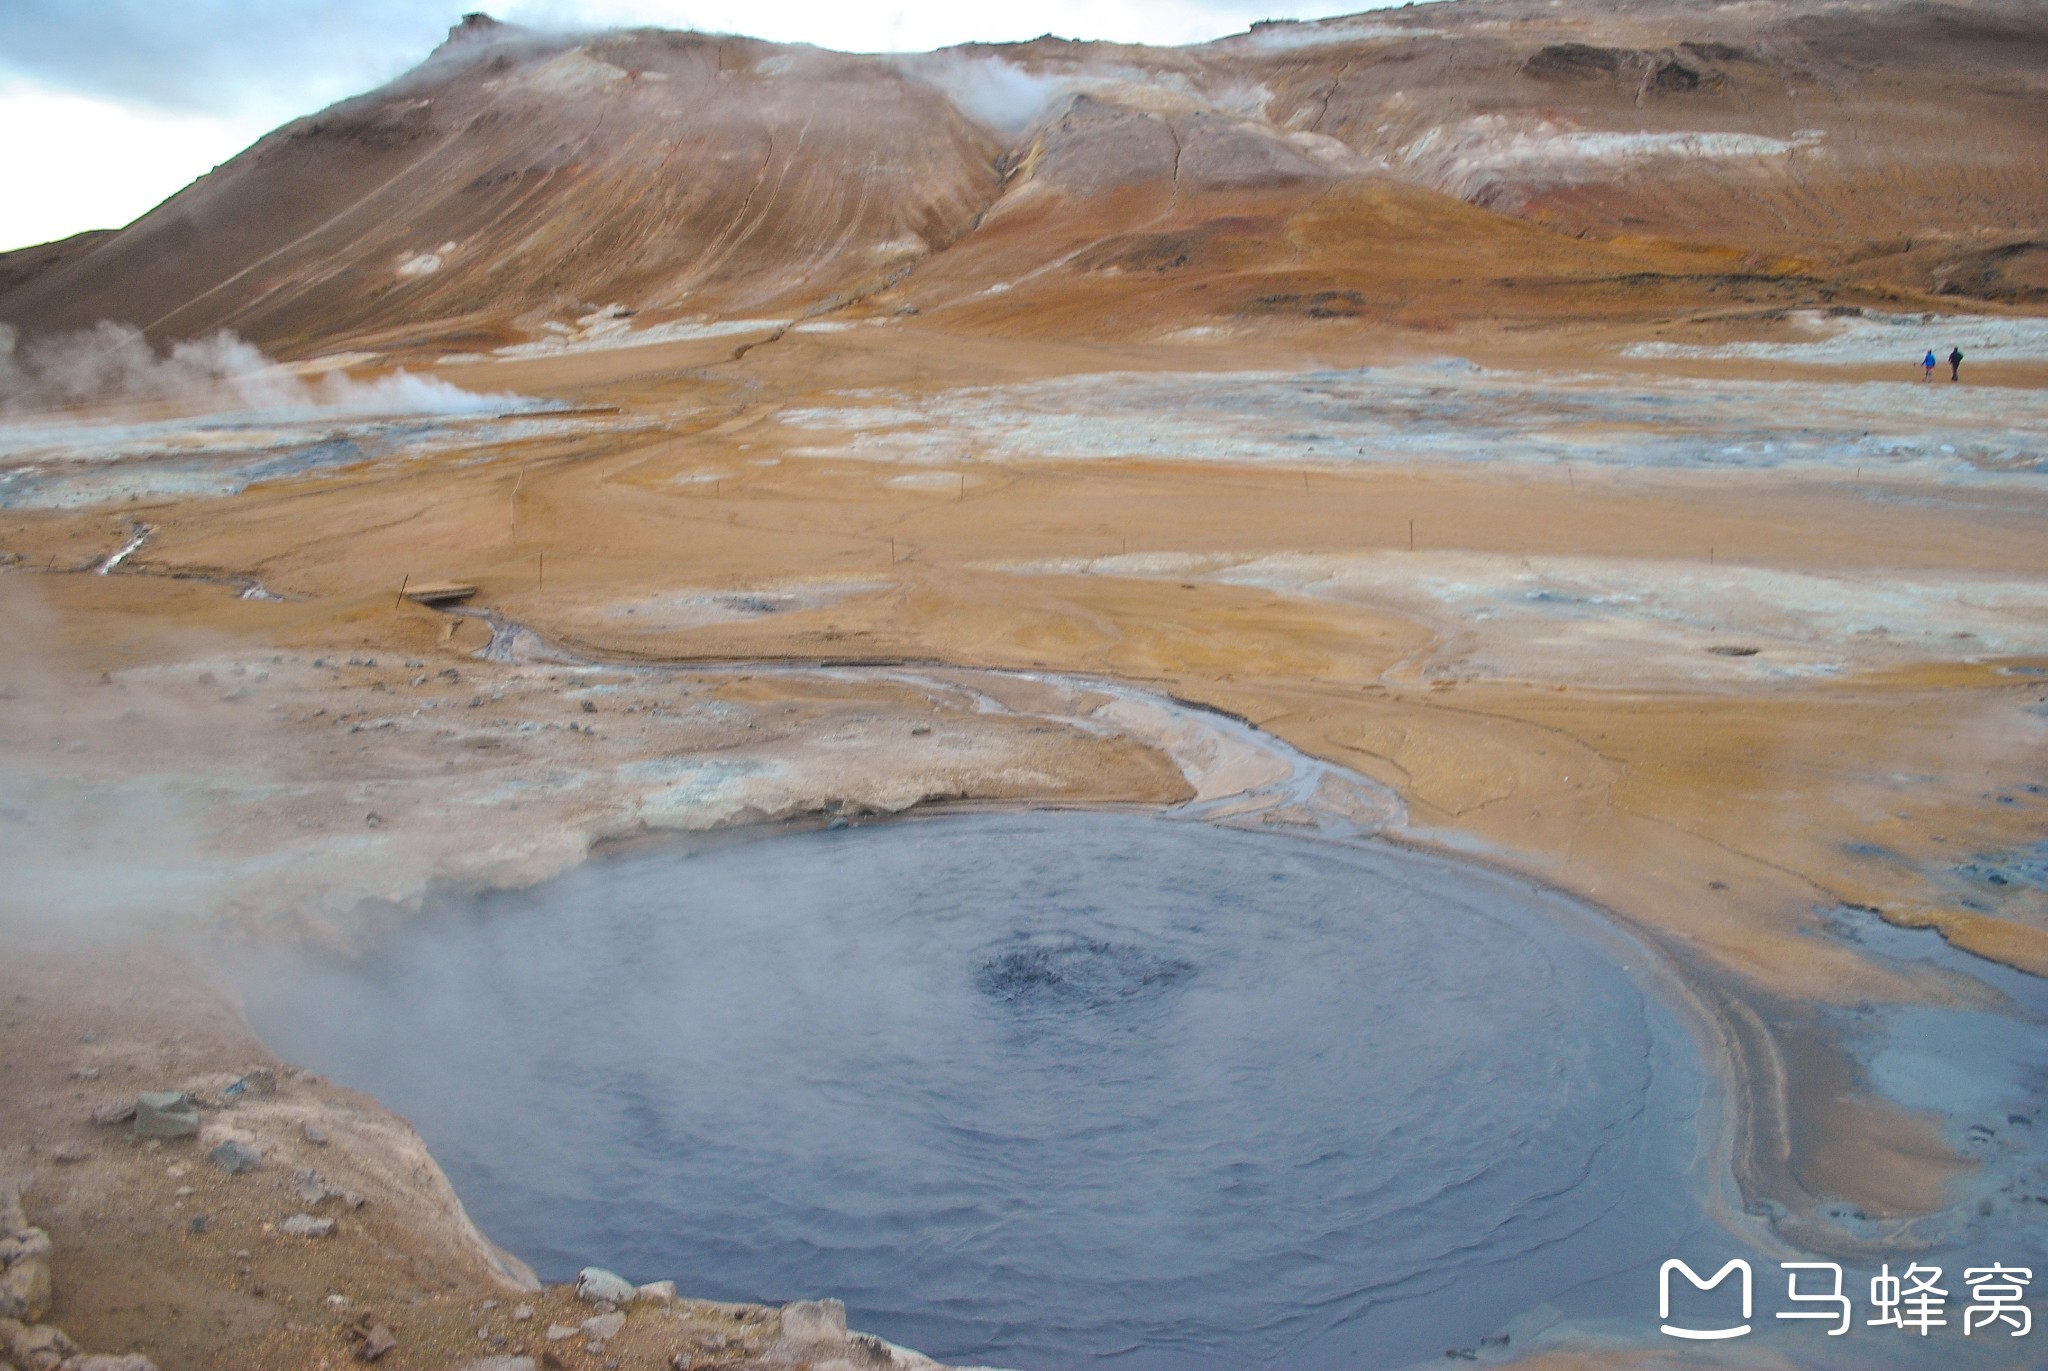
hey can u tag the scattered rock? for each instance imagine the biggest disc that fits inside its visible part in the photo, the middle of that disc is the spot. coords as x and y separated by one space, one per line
120 1111
603 1327
132 1361
656 1292
36 1346
235 1157
86 1073
507 1363
166 1114
559 1331
1729 650
24 1244
68 1153
595 1284
261 1081
521 1313
25 1289
311 1186
814 1321
306 1226
371 1337
314 1134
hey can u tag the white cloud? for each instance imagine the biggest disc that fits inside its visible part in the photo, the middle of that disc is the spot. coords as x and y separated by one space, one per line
74 162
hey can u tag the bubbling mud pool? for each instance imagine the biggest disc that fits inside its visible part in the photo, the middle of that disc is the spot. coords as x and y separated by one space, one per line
1051 1089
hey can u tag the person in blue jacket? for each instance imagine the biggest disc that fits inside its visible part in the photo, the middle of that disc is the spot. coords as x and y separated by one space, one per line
1927 366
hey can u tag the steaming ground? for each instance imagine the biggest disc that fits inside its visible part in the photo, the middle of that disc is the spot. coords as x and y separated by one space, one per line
103 417
1730 644
55 466
339 791
1659 641
114 364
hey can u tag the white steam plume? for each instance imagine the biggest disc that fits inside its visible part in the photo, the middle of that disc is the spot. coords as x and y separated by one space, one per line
1008 99
113 363
999 94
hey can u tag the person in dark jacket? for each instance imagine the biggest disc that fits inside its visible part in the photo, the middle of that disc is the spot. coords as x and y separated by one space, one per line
1955 364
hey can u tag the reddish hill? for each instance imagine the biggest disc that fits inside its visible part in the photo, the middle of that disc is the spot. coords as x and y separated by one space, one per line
1479 157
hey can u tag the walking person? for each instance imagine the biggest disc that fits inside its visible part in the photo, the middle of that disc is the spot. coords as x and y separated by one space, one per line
1927 366
1955 364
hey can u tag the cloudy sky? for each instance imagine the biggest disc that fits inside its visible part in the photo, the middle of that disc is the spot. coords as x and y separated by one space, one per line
109 106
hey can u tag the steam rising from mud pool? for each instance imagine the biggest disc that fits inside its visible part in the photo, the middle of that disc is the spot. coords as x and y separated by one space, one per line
1048 1090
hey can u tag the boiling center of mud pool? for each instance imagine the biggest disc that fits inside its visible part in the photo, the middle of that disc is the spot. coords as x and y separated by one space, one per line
1048 1090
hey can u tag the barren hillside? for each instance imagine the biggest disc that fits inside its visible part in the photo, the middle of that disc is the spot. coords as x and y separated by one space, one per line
1421 166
